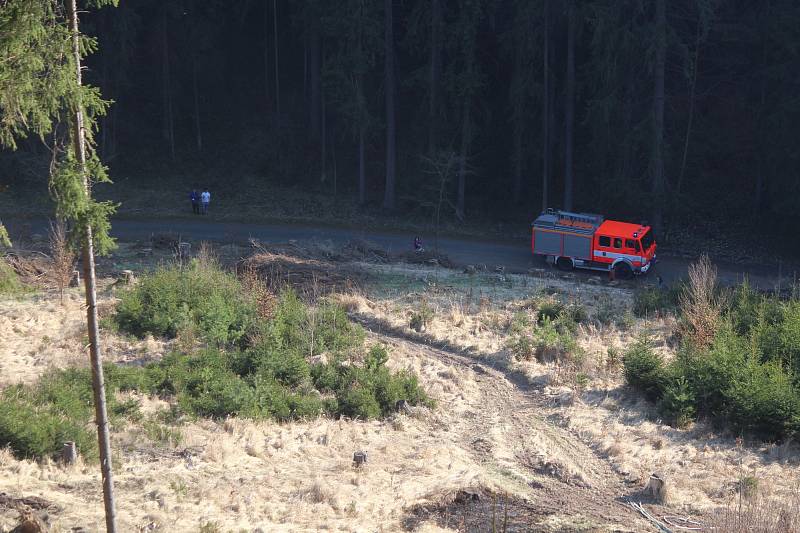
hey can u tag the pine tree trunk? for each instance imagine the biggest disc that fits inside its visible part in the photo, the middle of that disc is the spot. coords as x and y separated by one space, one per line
277 77
760 179
268 103
362 176
691 108
169 127
546 107
391 155
436 59
324 142
98 382
315 81
518 116
196 92
658 116
462 163
569 107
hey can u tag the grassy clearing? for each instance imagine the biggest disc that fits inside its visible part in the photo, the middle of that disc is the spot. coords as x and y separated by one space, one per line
289 361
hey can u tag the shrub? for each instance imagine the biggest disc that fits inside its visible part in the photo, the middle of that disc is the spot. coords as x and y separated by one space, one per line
763 401
421 317
678 402
644 369
549 309
9 281
34 431
700 303
371 390
36 420
201 295
649 301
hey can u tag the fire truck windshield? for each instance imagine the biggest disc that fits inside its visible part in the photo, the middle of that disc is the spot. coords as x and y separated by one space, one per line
647 240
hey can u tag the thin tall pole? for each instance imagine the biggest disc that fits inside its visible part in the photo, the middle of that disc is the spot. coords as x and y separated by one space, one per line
98 383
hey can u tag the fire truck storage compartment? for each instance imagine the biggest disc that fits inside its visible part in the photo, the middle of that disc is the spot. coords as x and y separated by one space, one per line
562 244
561 233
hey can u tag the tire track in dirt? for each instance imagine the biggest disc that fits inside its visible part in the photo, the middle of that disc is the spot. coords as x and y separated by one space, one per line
558 474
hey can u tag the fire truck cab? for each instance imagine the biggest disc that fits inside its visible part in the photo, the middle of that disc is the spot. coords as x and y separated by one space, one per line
585 240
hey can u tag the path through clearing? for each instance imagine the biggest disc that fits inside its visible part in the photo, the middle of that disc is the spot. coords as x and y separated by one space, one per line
563 481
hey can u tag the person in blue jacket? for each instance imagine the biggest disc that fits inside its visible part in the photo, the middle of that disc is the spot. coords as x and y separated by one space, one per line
195 198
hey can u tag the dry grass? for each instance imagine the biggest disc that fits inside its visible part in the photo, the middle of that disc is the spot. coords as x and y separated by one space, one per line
299 476
63 257
37 333
701 303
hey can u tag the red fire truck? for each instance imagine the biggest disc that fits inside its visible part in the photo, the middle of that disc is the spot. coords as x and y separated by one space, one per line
584 240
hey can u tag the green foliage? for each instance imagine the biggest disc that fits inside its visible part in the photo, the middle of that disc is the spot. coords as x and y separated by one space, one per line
644 369
745 380
202 296
9 281
678 402
421 317
548 339
35 431
38 89
371 390
549 309
5 240
649 301
36 420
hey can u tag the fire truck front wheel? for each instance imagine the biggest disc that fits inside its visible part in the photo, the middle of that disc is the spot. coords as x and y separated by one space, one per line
564 263
623 271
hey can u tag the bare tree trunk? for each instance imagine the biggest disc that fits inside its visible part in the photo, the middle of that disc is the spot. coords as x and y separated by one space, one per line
569 108
324 131
359 81
195 91
658 117
315 79
266 59
436 61
517 163
362 176
391 154
691 108
546 107
98 383
277 77
169 127
462 162
759 188
518 95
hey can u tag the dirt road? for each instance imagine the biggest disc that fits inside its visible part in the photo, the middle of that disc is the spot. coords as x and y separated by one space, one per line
562 481
513 256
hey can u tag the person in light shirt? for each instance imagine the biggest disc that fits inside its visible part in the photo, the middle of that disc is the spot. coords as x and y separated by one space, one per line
205 199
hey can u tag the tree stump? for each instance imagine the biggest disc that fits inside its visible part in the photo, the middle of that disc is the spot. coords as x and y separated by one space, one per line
126 277
359 459
69 453
75 280
656 488
402 406
184 249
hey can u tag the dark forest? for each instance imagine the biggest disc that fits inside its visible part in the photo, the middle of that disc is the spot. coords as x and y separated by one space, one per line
672 112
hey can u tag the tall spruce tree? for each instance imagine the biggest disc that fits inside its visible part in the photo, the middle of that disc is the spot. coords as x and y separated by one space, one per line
41 50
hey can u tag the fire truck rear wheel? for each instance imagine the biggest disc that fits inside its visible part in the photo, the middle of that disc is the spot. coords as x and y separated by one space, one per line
564 263
623 271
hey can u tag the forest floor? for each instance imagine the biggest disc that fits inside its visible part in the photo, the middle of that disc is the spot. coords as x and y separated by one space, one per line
519 445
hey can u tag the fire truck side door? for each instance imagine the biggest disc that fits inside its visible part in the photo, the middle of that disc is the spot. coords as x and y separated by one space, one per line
603 242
